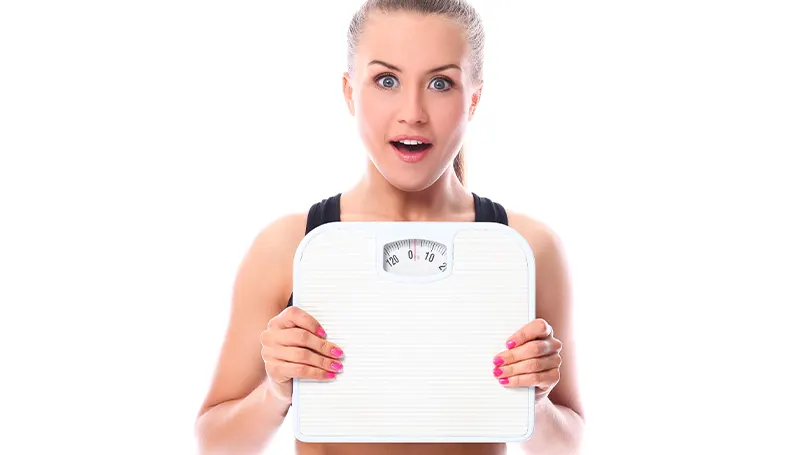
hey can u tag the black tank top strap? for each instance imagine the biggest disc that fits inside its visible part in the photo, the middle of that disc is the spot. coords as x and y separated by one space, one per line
325 211
320 213
488 211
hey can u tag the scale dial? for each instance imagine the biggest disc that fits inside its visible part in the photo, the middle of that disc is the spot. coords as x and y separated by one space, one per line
415 257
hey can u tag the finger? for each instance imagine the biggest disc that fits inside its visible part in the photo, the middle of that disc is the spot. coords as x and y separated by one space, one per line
296 317
306 357
543 381
536 329
281 371
297 337
278 355
535 365
532 349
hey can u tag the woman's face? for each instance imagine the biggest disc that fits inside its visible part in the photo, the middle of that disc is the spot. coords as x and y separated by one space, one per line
412 95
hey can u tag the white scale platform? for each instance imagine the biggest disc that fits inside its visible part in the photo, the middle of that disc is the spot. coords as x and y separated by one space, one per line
421 310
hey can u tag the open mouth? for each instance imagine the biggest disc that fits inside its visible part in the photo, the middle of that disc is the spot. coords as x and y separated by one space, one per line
411 146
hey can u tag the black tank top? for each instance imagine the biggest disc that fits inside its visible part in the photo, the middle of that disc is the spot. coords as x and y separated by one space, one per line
328 211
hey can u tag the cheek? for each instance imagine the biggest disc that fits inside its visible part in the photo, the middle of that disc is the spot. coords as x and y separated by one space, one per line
373 113
449 117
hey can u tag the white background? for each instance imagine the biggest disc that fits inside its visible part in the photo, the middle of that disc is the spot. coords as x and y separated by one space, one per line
144 144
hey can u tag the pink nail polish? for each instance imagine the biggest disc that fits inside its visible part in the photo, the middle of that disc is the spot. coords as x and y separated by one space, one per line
510 344
330 375
337 352
497 371
504 381
498 361
336 366
321 333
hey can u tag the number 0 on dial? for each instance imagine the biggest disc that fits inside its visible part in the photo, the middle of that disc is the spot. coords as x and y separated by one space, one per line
415 257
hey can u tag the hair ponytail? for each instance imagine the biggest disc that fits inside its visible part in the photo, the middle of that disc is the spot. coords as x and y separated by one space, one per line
460 166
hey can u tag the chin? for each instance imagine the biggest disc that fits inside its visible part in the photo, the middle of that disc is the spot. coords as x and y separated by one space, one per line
410 181
411 187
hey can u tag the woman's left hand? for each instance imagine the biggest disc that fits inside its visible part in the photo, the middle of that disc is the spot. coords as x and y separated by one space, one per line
532 359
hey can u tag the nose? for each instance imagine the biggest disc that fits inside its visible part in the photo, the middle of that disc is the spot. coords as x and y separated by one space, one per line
413 110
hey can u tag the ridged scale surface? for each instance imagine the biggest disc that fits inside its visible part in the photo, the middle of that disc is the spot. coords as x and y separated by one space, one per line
418 360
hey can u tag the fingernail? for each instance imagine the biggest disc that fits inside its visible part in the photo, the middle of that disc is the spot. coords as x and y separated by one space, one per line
336 366
497 371
337 352
510 344
330 375
498 361
321 333
503 381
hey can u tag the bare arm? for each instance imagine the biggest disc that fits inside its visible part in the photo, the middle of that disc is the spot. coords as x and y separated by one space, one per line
559 416
239 415
241 426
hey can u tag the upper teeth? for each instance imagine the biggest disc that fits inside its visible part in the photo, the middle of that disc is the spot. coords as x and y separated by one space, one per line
411 142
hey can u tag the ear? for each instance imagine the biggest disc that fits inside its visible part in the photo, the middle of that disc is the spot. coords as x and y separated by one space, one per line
348 93
475 101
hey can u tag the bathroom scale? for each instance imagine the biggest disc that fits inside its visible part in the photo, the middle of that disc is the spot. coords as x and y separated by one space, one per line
420 309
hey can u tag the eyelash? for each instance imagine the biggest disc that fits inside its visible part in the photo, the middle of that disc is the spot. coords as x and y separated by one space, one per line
450 83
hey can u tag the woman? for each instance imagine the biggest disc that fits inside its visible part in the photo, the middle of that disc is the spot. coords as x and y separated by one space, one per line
413 83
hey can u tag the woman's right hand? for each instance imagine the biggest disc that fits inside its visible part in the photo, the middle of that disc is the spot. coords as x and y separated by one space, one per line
294 346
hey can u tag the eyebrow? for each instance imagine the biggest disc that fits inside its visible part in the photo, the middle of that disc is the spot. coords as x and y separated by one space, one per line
434 70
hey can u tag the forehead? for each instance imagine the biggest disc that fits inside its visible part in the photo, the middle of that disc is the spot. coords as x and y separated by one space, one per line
411 40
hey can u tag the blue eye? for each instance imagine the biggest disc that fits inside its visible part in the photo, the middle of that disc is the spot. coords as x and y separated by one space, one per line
387 81
441 84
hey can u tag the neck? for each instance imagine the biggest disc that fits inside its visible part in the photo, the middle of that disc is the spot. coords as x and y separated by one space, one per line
446 198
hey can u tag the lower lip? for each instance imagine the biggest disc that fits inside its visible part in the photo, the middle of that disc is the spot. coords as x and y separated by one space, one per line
411 157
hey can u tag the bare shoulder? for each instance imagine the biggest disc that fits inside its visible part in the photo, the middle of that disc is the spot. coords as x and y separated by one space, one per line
539 235
279 232
260 292
552 281
266 268
265 274
280 238
553 287
551 265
